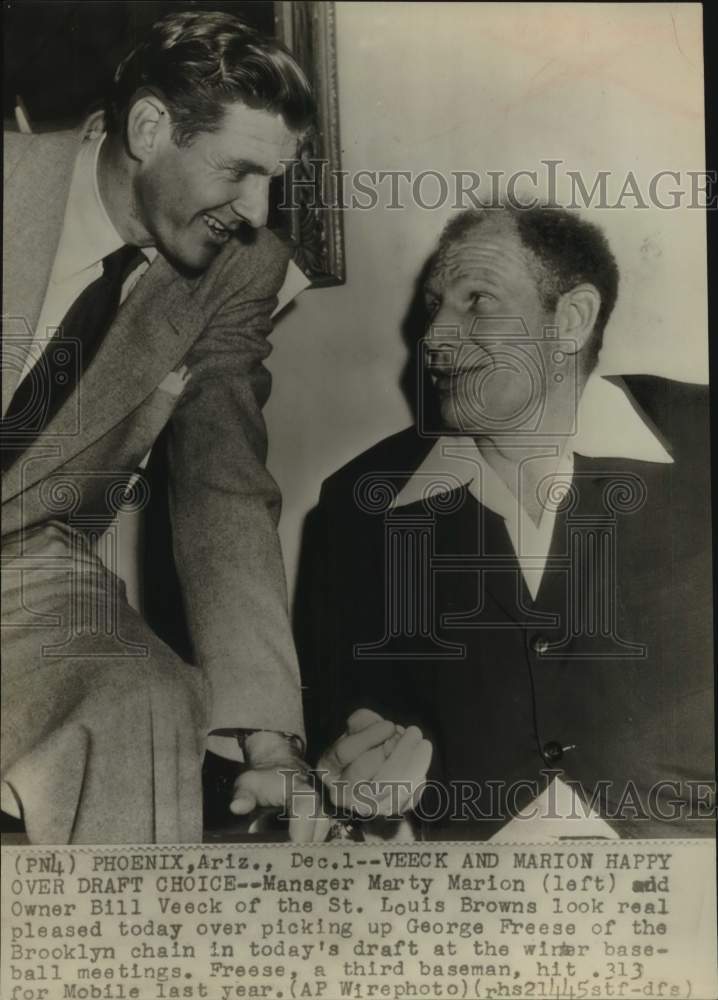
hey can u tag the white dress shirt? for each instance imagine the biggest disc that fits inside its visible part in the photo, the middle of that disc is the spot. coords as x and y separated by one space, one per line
87 237
607 426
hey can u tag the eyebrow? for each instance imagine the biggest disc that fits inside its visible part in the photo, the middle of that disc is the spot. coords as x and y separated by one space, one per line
248 167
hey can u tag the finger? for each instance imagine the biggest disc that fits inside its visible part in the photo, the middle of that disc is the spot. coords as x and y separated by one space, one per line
409 798
366 765
243 802
402 776
363 769
362 718
369 763
348 748
390 744
304 813
401 762
322 827
306 830
308 824
383 779
261 788
388 777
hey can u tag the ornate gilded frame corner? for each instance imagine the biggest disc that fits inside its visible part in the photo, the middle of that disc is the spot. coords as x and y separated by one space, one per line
308 29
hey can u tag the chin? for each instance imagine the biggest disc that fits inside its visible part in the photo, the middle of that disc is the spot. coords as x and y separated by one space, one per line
453 419
456 419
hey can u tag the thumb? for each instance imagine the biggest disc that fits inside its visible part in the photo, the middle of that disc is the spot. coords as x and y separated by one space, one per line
243 800
243 803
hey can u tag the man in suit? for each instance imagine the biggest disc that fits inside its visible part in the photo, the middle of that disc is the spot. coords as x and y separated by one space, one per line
143 239
525 574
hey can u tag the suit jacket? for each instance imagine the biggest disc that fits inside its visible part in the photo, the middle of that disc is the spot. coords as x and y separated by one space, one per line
224 503
421 613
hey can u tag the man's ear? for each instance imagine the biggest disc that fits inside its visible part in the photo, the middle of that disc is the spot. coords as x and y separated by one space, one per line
576 315
147 123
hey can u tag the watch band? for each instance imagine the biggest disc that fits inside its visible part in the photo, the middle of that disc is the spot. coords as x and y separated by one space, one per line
242 735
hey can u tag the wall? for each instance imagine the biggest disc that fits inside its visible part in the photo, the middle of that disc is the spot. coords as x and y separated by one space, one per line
443 86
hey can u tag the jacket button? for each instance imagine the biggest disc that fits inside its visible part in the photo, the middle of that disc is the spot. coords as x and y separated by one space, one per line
540 645
552 752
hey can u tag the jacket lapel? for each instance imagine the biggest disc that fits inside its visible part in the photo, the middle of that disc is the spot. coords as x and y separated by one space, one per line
150 335
34 209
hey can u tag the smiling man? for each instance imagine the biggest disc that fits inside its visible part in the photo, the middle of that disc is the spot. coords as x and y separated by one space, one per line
524 573
139 286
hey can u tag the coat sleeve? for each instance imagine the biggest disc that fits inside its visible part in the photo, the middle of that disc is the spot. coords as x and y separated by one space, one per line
341 605
225 506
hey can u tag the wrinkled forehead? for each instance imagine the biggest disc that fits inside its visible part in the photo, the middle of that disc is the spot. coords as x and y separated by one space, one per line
492 249
254 133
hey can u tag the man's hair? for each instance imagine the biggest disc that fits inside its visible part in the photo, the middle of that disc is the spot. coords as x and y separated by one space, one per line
566 251
200 62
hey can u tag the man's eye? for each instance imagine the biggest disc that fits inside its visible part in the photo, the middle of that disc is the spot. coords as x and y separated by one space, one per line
233 173
475 298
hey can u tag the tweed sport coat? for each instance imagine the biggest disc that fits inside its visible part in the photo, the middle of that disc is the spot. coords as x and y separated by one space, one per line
607 677
225 505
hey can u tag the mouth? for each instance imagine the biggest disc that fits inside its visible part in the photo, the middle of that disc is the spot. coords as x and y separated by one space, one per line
219 232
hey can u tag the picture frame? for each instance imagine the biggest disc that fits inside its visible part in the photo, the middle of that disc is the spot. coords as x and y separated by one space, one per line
308 29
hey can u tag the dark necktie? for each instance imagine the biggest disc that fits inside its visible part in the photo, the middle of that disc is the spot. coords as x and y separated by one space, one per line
66 357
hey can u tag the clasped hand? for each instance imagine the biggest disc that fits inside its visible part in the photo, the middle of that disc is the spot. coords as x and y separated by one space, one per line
375 768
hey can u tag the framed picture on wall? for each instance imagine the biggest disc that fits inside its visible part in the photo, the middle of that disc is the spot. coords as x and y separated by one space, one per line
77 45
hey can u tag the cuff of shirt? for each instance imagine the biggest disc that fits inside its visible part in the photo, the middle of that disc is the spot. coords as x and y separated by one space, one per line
232 743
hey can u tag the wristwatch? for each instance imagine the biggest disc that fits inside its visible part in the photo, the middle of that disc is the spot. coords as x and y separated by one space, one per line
242 735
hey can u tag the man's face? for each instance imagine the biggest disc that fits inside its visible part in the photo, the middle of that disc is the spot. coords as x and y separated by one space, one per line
487 348
191 199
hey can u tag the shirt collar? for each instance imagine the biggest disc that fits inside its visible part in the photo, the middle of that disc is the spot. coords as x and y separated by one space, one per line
607 426
88 234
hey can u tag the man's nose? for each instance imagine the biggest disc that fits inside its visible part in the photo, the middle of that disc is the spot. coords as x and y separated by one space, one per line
442 340
445 328
252 204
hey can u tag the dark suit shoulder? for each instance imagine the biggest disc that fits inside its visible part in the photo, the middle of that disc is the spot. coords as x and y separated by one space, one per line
679 411
656 394
398 453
